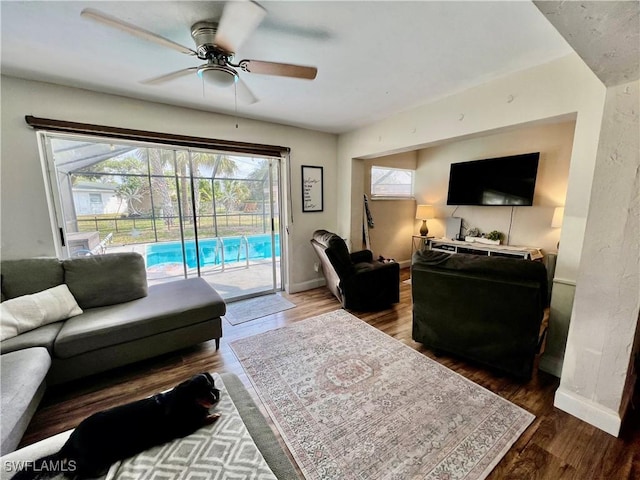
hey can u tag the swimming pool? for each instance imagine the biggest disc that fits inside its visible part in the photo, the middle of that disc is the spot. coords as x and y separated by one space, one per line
212 250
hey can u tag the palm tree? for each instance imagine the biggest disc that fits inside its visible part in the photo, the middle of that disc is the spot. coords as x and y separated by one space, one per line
160 183
232 192
162 163
130 192
260 177
219 164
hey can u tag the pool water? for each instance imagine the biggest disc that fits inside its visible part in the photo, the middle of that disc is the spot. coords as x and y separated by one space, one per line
211 250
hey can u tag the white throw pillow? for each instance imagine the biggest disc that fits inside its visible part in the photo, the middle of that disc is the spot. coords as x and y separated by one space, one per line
25 313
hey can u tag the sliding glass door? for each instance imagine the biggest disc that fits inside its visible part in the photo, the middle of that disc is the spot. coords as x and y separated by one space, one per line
188 212
238 223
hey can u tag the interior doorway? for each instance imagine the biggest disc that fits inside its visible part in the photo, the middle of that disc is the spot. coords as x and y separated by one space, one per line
189 212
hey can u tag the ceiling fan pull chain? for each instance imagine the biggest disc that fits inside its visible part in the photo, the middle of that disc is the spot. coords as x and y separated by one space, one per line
235 97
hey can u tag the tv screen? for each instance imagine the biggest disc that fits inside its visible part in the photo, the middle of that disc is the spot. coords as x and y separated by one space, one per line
504 181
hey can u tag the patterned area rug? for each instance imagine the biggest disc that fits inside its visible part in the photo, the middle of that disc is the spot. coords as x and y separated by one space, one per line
353 403
223 450
246 310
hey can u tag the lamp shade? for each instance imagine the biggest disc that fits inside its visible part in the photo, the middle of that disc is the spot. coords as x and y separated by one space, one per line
218 75
425 212
558 215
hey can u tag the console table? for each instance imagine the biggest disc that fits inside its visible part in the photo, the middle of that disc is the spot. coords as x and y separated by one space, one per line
476 248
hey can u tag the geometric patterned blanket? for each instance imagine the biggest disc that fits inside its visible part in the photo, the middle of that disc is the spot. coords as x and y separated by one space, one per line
353 403
222 450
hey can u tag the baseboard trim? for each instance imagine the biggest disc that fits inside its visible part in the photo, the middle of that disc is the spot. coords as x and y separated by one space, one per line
304 286
594 414
564 281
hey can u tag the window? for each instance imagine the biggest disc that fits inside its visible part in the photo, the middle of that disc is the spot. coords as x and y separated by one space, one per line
95 201
188 211
392 182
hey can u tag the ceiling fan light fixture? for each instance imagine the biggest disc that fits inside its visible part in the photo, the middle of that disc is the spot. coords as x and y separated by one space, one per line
218 75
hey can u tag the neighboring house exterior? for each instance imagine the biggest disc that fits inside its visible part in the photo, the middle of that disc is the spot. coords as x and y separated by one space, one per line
94 198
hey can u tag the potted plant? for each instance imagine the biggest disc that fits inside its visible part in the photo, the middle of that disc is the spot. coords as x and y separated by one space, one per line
493 238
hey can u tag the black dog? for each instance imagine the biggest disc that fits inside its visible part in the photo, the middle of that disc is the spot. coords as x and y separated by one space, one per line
123 431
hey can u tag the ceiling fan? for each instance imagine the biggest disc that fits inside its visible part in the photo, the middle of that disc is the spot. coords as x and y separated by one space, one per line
216 43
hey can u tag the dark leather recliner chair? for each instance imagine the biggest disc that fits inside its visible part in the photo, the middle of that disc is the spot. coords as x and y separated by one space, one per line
486 309
356 279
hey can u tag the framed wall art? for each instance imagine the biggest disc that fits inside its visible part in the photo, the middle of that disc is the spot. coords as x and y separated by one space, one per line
312 185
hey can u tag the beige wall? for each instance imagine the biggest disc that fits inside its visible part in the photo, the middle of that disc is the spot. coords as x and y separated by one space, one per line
394 219
602 193
25 223
596 294
531 226
561 89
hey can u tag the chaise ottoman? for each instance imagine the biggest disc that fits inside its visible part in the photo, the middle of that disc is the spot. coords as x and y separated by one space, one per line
22 382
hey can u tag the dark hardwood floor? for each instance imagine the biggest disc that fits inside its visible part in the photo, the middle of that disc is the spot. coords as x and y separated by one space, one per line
556 446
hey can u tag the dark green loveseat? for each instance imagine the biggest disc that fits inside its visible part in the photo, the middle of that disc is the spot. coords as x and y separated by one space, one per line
485 309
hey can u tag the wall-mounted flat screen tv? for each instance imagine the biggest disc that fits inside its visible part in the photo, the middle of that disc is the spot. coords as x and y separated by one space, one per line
504 181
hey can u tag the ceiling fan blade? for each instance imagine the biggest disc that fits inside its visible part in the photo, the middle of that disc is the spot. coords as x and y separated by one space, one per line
280 69
239 19
114 22
170 76
245 95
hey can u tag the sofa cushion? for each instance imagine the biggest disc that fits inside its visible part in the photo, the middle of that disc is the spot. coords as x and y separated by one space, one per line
22 381
167 307
30 275
40 337
100 280
28 312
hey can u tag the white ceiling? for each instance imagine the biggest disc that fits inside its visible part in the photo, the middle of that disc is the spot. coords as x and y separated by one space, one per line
374 58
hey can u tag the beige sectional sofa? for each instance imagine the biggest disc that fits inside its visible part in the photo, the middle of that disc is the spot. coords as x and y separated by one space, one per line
123 320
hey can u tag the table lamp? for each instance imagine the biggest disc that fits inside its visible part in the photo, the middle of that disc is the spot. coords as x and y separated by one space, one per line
424 213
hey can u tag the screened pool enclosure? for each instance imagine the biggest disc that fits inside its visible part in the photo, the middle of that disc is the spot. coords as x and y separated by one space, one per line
189 212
